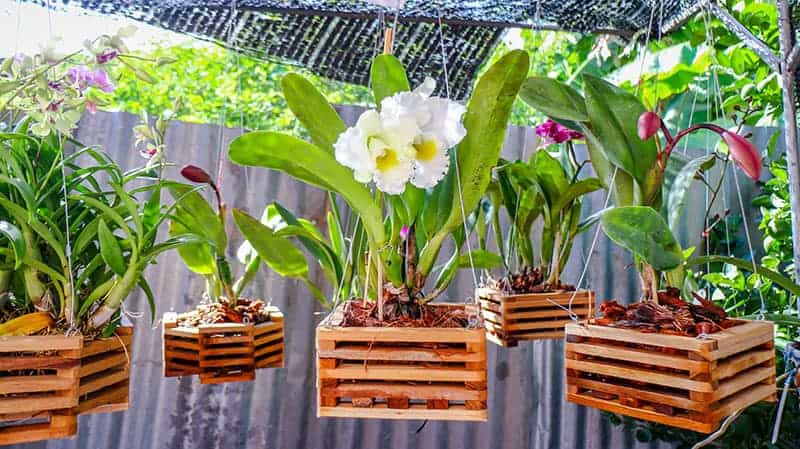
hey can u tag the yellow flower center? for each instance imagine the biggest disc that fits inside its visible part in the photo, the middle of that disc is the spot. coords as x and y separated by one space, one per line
426 150
387 160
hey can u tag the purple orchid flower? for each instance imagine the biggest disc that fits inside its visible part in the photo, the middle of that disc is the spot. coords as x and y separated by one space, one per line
106 56
552 132
101 80
404 233
80 76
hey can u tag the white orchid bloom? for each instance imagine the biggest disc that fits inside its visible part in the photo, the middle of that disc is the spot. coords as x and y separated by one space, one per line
440 128
379 150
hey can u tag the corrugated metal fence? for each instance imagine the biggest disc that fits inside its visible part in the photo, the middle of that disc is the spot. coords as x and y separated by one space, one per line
278 409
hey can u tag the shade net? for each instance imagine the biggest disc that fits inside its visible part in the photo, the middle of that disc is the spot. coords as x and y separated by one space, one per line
338 39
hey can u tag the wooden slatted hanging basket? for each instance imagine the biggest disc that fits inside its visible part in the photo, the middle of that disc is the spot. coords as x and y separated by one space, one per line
39 387
401 373
219 353
686 382
509 318
47 381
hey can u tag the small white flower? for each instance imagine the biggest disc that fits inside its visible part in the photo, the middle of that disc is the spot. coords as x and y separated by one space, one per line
439 123
379 150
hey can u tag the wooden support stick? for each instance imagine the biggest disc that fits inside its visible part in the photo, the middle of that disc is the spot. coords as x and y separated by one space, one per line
388 41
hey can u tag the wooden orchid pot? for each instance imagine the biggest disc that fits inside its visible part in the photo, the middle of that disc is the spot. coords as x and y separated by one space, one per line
401 373
686 382
220 353
531 316
47 381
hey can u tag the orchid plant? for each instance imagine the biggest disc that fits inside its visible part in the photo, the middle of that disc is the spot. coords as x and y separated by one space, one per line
621 138
424 193
76 237
53 88
546 186
207 256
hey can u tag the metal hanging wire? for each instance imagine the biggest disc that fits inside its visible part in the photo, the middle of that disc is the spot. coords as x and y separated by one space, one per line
73 329
585 270
718 95
455 152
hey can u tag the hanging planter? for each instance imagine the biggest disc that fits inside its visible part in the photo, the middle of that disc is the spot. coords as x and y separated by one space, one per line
390 353
534 303
104 376
39 387
533 316
47 381
224 352
401 373
686 382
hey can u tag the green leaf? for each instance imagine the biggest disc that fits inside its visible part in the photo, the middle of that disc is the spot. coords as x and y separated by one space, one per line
14 236
278 253
388 77
312 109
148 293
643 231
778 278
486 120
110 249
614 115
197 257
550 176
676 200
621 184
311 164
197 216
577 190
554 99
481 259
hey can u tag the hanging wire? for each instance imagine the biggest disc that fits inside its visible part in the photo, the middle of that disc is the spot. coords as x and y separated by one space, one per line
455 151
584 271
718 94
68 250
381 23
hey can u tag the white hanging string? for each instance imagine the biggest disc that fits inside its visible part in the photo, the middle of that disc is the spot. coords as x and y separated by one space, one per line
68 250
584 271
718 94
455 151
349 259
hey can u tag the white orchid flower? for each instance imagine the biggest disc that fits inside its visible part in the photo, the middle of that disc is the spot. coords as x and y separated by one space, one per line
379 150
439 128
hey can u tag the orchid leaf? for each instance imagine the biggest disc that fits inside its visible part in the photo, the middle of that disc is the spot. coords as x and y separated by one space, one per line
643 231
278 253
312 109
614 115
676 201
618 182
14 236
197 216
554 99
480 259
110 249
486 120
388 77
311 164
576 190
783 281
197 256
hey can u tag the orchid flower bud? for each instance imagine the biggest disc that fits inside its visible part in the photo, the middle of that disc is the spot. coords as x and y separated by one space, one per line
195 174
404 233
648 125
743 153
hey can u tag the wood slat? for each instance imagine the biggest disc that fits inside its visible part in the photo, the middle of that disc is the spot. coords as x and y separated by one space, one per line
9 363
415 411
91 385
670 341
382 390
107 344
608 351
402 372
351 352
40 343
622 371
35 384
410 335
115 360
